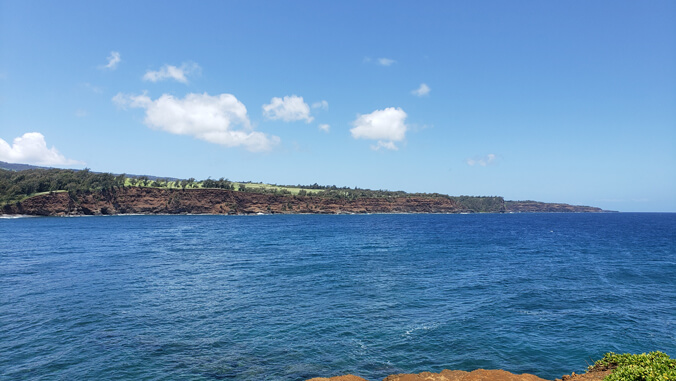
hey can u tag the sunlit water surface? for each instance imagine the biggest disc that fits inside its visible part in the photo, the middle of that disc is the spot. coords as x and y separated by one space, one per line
300 296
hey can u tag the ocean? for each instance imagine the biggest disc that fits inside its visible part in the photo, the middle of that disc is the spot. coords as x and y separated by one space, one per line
290 297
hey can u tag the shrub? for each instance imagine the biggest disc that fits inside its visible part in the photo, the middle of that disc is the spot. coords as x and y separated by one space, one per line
654 366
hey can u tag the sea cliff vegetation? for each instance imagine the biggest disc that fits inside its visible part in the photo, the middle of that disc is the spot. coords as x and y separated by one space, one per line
16 186
87 192
653 366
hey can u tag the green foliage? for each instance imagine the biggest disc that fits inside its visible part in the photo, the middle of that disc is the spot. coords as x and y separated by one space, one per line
481 204
16 186
220 183
653 366
273 189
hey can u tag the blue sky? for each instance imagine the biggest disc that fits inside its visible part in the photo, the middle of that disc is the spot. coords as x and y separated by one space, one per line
569 101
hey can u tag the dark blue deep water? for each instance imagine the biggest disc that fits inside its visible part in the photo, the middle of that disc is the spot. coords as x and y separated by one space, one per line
294 297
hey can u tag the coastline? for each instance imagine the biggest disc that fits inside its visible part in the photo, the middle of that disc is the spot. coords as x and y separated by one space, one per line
151 201
594 374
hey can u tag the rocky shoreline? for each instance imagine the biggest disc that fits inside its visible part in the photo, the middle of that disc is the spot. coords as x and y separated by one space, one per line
594 374
142 200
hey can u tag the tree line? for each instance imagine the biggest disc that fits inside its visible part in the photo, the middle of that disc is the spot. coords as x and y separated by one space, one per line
17 185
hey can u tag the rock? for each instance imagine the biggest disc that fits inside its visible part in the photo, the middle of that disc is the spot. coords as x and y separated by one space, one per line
348 377
597 374
458 375
446 375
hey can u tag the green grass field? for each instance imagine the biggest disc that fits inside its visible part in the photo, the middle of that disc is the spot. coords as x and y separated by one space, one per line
292 190
41 193
200 184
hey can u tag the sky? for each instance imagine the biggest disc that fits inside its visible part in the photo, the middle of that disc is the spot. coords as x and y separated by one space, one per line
554 101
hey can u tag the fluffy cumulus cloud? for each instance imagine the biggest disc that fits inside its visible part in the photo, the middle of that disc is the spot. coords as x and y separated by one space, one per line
481 161
421 91
325 127
386 126
31 148
179 74
288 109
219 119
113 60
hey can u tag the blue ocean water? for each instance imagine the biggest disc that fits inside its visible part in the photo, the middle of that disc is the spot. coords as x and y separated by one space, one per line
289 297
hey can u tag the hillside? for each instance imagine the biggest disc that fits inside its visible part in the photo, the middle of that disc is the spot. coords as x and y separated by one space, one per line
544 207
49 192
18 167
137 200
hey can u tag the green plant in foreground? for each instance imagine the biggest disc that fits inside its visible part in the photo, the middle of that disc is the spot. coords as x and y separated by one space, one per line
653 366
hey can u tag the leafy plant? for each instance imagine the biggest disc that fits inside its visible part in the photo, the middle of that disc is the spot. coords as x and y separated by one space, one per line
653 366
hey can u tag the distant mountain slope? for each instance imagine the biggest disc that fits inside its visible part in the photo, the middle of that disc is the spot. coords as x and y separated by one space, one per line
19 167
25 167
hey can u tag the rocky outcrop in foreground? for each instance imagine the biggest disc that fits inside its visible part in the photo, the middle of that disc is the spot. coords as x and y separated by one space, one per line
477 375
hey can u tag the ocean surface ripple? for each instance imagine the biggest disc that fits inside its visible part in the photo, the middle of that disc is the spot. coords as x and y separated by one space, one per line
289 297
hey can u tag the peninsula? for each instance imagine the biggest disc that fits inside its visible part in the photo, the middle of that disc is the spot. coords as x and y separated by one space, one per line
29 190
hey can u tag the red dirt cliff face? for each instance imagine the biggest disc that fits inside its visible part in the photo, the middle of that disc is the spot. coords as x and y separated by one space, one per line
134 200
543 207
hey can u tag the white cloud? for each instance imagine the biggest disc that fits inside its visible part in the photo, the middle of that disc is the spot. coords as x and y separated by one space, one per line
113 60
324 105
421 91
385 61
288 109
179 74
481 160
210 118
325 127
386 126
387 145
31 148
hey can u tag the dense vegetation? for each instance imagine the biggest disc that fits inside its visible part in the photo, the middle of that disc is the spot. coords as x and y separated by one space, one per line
15 186
18 185
654 366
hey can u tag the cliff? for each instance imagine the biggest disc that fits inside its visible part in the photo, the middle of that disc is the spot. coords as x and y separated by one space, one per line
136 200
543 207
143 200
